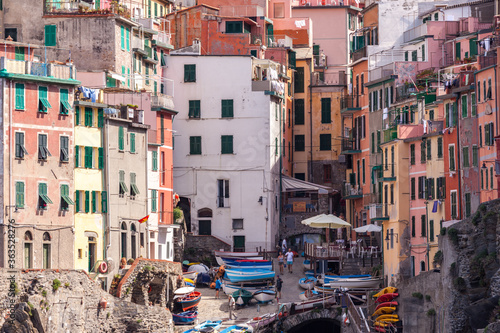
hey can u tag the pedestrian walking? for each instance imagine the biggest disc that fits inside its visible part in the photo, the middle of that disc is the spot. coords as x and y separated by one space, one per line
279 284
232 305
289 260
218 285
281 261
283 245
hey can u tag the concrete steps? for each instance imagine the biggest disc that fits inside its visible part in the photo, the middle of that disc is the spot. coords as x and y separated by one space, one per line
351 266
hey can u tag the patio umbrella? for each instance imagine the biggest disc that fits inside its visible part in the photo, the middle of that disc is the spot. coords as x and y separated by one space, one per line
369 228
329 221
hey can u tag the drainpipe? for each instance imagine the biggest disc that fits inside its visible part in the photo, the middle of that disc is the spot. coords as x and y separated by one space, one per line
457 163
107 228
281 166
10 149
147 193
310 121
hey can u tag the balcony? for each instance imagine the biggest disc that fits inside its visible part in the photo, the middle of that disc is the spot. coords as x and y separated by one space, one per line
487 60
266 77
320 61
405 92
48 71
242 11
438 29
83 7
329 79
350 192
377 212
163 39
279 41
162 101
349 104
390 134
381 72
434 126
358 54
350 146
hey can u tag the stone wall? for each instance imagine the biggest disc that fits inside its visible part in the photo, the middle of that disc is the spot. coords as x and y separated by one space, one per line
200 248
73 307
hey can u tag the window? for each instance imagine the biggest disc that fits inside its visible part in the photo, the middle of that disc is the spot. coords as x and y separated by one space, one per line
234 27
226 144
65 199
123 187
132 142
363 171
89 157
326 110
488 94
325 142
392 194
100 118
189 73
19 142
373 142
486 179
327 173
465 155
464 106
422 226
275 146
162 130
422 182
64 106
77 115
64 144
43 151
238 224
386 155
43 198
453 200
413 226
104 201
121 139
440 147
299 80
195 145
127 41
19 96
87 201
482 179
491 175
475 153
89 117
299 112
194 109
239 243
451 150
414 55
100 158
50 35
423 52
134 190
431 114
441 188
227 108
467 204
43 102
422 151
77 201
154 167
205 227
473 111
77 156
154 199
222 193
412 154
300 143
484 90
430 189
19 195
429 146
478 87
122 35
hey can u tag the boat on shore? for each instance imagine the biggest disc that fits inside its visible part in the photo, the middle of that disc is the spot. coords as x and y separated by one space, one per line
237 329
184 318
248 264
262 321
307 283
264 295
313 304
242 275
313 294
354 283
242 297
236 254
220 260
190 275
230 288
189 301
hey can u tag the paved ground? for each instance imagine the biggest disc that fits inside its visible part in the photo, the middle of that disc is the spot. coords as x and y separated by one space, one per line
215 309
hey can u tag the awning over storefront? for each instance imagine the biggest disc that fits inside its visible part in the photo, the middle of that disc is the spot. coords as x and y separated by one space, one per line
289 184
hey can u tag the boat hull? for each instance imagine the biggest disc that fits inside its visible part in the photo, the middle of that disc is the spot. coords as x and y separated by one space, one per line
354 283
384 310
189 301
242 296
307 283
249 275
264 296
236 254
387 290
236 328
262 321
381 305
386 297
315 303
184 318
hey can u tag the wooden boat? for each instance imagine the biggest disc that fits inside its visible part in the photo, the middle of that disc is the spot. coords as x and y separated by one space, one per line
387 290
183 291
262 321
187 317
264 295
236 254
314 294
381 305
314 303
220 260
307 264
384 310
242 297
354 283
189 301
249 264
307 283
215 325
237 329
388 317
241 275
230 288
386 297
324 289
190 275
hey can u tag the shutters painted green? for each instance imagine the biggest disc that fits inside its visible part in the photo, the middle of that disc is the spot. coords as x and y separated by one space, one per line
43 102
423 52
440 147
299 112
194 109
299 80
326 110
101 158
77 201
77 156
132 142
104 201
414 55
42 146
64 106
94 202
121 143
465 155
234 27
19 195
189 73
455 114
19 53
195 145
226 144
100 118
122 35
89 117
19 96
292 60
464 106
162 129
20 150
154 167
64 148
77 115
227 108
153 201
50 35
127 39
325 142
88 157
458 52
451 150
87 201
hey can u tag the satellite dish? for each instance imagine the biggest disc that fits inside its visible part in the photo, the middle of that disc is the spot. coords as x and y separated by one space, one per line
487 109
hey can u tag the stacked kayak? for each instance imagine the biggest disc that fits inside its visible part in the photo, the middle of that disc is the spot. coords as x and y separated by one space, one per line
384 314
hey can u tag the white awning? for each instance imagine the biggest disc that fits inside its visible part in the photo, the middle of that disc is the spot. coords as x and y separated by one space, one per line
289 184
116 76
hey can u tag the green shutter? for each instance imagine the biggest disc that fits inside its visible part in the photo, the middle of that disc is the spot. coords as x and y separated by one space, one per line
19 96
194 109
101 158
77 201
87 201
77 115
43 102
127 39
122 34
195 145
227 144
88 157
121 143
100 118
77 156
153 200
155 161
464 106
455 114
19 195
94 202
326 105
162 129
132 142
104 201
227 108
64 106
431 230
189 73
89 119
50 35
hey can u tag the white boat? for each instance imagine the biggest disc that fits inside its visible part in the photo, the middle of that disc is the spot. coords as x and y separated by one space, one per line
307 283
246 275
236 254
307 264
190 275
184 291
231 288
354 283
264 295
313 294
314 303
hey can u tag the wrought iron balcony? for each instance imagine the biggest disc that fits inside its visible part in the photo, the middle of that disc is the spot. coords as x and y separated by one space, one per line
351 191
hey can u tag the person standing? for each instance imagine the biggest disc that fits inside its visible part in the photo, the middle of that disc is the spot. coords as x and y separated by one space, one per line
289 260
281 261
279 284
218 285
283 245
232 305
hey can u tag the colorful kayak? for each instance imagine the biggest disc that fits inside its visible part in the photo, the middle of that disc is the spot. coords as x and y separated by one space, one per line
387 290
264 295
187 317
189 301
307 283
241 275
242 297
384 310
388 318
386 297
381 305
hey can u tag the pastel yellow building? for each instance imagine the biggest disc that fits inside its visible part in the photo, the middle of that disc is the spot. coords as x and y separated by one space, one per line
90 198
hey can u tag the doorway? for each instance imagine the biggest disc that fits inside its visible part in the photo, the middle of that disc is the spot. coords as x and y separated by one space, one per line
92 253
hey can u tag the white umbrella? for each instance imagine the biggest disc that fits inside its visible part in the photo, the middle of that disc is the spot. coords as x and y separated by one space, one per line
325 221
369 228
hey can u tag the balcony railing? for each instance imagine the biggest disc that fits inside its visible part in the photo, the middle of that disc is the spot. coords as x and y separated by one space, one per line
358 54
242 11
377 211
405 92
279 41
163 38
350 190
415 32
162 101
488 60
381 71
350 102
67 7
434 126
37 68
390 134
349 145
329 79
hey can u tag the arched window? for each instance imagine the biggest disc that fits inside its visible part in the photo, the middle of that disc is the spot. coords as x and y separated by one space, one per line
132 228
46 255
124 240
28 236
46 237
422 266
205 212
124 226
28 250
133 241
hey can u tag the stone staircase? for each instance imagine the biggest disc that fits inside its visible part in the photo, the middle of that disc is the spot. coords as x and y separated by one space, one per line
351 266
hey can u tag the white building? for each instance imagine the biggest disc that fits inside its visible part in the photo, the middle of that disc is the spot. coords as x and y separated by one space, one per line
227 152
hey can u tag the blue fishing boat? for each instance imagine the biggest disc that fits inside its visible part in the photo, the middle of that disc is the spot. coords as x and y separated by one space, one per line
307 282
245 263
237 329
242 275
184 318
264 295
208 326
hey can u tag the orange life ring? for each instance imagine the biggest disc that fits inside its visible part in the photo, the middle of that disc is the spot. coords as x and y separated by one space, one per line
150 288
103 267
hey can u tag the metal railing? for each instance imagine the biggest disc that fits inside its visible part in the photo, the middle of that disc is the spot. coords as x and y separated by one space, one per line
357 319
349 144
349 102
488 60
37 68
326 251
328 79
377 211
163 38
278 41
405 91
352 190
162 100
358 54
381 71
415 32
